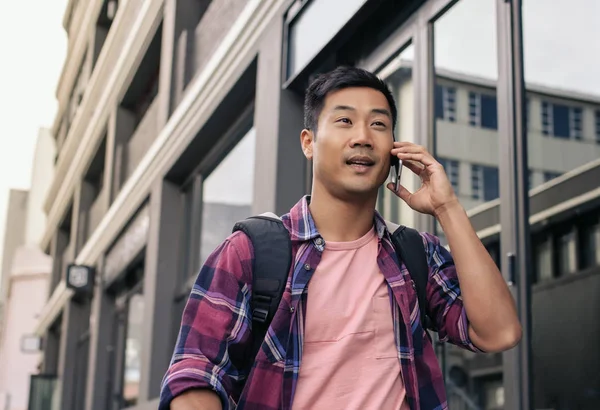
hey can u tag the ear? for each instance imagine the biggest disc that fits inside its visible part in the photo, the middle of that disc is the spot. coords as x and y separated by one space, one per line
307 139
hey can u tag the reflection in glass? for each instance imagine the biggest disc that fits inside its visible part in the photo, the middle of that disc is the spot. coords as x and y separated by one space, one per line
466 144
562 62
465 106
398 76
133 344
227 194
563 88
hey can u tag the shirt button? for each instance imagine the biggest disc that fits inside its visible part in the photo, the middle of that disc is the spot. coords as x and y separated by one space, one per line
319 241
306 266
292 309
413 284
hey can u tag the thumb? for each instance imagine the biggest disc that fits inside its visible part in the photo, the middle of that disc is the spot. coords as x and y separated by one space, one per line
402 192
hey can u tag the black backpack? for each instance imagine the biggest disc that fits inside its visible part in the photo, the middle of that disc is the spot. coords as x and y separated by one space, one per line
273 259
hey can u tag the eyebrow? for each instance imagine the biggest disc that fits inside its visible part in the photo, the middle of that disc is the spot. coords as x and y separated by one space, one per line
382 111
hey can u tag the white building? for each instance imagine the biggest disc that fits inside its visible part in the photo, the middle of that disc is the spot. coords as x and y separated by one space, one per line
25 277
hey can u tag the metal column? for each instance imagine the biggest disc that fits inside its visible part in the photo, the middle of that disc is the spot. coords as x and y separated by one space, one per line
514 209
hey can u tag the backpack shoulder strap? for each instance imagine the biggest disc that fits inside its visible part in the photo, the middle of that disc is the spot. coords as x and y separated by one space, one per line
410 249
272 261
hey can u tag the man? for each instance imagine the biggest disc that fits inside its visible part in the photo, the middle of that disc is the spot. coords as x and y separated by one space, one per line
346 335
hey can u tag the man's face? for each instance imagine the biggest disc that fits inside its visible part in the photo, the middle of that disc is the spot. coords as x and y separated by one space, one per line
351 150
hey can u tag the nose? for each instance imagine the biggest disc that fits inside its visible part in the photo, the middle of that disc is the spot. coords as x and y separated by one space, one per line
361 138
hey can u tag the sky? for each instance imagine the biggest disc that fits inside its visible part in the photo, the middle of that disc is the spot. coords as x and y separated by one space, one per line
33 46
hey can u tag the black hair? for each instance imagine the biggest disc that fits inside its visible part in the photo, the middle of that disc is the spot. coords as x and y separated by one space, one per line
340 78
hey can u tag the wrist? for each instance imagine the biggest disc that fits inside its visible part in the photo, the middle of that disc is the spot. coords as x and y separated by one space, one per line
448 209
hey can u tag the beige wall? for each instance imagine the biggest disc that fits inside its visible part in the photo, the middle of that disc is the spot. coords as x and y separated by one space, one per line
28 289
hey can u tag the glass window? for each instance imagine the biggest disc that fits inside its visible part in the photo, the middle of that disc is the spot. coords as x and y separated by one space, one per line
474 109
489 112
314 27
485 184
452 170
398 76
467 119
227 194
598 126
491 183
133 345
465 59
590 245
576 125
543 259
476 182
565 98
560 114
567 254
549 176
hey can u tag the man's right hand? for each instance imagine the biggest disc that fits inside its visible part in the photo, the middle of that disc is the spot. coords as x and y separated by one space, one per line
197 400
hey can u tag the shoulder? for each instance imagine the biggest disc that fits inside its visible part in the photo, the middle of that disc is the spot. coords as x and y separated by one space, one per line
240 244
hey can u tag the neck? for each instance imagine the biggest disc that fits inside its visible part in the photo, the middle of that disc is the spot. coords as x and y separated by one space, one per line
341 220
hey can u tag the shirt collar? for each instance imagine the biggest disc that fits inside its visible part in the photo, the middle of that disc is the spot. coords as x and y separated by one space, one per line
302 225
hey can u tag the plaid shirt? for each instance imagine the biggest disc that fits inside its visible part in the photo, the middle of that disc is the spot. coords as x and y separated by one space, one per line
215 336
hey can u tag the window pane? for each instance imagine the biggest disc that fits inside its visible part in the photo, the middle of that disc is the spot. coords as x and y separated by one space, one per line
227 195
561 120
543 256
563 87
398 75
466 133
561 57
133 344
567 254
489 112
317 23
465 61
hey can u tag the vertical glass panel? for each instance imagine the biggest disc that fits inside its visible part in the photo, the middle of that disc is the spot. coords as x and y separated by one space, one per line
315 26
561 58
133 345
563 87
398 76
466 113
227 195
543 260
466 144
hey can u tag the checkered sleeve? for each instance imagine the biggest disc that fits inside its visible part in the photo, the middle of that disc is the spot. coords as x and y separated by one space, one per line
215 330
445 303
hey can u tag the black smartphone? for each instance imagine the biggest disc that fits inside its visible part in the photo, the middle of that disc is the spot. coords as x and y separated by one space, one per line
395 171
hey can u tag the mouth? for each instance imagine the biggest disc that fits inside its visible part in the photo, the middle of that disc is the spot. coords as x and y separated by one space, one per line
360 163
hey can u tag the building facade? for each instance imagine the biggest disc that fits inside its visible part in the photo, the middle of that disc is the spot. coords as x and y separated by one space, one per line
26 274
178 118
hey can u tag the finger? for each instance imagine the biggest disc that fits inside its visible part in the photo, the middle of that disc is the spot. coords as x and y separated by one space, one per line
413 166
404 144
402 192
424 159
402 147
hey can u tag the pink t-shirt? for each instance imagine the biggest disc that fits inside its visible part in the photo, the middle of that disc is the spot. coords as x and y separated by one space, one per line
349 359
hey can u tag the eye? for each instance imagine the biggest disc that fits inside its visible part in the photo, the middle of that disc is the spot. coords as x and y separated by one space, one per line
344 120
379 124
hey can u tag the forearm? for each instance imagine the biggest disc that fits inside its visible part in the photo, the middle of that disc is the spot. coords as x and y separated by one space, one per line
197 400
490 308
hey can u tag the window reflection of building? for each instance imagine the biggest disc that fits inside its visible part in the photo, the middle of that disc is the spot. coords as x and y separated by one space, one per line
133 343
227 194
